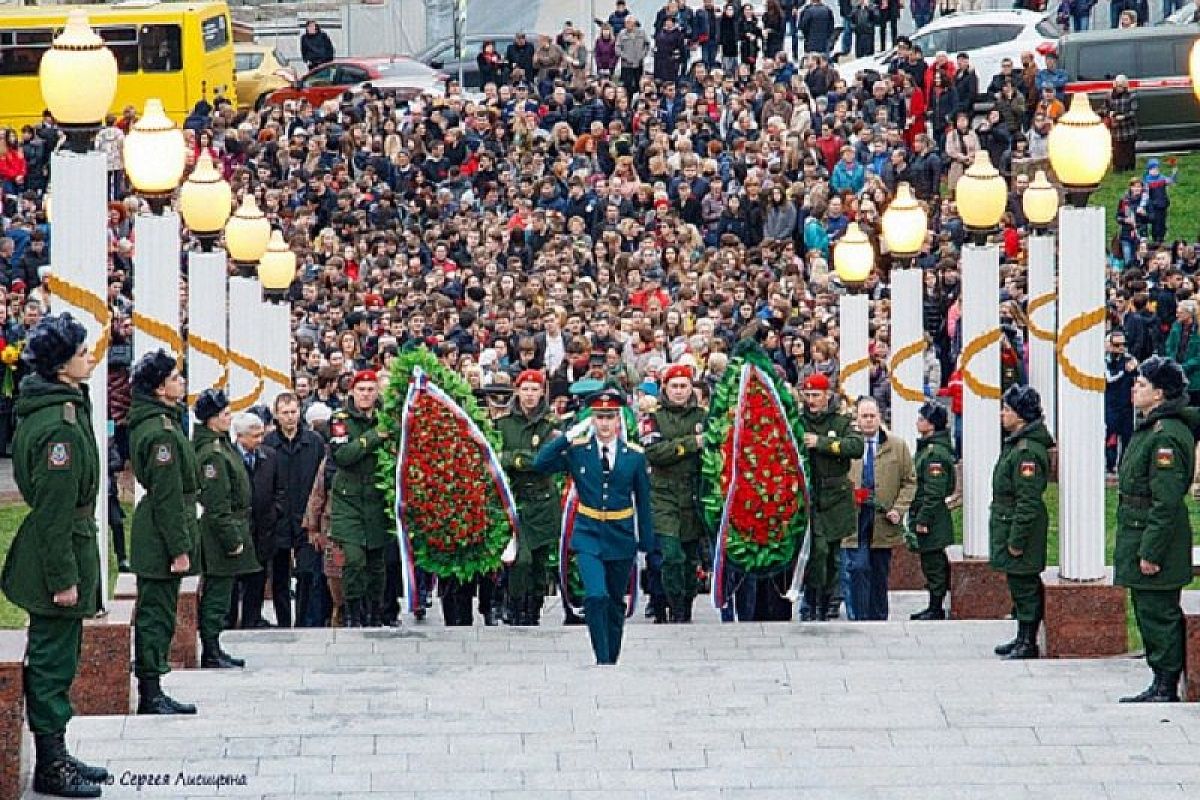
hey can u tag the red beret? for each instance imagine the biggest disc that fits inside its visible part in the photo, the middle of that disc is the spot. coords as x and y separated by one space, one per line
676 371
534 375
816 383
364 375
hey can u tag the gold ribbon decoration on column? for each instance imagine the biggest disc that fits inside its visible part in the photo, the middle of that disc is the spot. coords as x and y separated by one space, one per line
273 374
1036 303
988 391
910 350
1081 323
162 331
93 304
853 368
237 404
216 352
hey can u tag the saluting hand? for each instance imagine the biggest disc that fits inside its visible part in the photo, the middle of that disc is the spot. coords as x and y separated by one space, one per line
67 598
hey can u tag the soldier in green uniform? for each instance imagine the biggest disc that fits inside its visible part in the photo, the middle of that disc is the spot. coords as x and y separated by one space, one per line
53 568
524 429
930 529
1018 519
165 532
226 547
672 437
358 519
1153 554
832 444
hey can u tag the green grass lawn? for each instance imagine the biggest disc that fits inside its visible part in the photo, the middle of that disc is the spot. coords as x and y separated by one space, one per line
1183 221
10 519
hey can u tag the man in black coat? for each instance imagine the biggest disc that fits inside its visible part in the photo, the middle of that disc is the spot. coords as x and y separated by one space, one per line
298 452
816 24
316 48
267 498
520 54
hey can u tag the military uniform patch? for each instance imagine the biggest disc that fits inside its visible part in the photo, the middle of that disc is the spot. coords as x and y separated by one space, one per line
60 456
1164 457
535 441
210 471
935 470
1028 469
163 454
338 430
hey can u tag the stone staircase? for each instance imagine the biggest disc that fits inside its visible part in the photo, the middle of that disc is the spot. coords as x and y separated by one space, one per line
833 710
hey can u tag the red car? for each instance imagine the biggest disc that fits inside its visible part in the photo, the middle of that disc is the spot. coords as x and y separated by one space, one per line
330 80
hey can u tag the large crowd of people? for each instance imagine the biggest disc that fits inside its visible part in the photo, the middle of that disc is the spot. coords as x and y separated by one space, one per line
585 219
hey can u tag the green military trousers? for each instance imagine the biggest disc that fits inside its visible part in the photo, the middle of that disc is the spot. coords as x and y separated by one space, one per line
1160 621
364 573
935 566
821 574
216 593
51 661
530 574
154 625
680 562
1027 597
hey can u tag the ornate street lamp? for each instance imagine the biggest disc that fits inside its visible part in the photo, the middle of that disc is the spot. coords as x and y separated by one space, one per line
246 236
78 77
205 202
1040 202
905 224
981 195
853 257
277 268
155 155
1080 150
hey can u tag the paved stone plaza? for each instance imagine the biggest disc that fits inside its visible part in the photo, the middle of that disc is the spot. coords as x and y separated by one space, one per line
836 710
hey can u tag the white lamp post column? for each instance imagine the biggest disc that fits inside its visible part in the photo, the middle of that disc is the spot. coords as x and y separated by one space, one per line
853 259
1040 203
246 236
907 370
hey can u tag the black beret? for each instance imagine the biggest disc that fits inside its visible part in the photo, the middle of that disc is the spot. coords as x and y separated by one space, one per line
1024 401
152 370
935 414
1164 374
52 343
210 403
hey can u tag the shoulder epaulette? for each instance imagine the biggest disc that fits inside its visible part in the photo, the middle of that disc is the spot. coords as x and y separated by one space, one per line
580 442
69 414
1158 426
637 448
1023 444
167 424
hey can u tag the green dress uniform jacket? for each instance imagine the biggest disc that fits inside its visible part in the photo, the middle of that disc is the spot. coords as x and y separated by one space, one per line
934 466
225 499
1189 358
1018 517
834 515
1152 518
539 501
57 469
669 439
164 523
360 514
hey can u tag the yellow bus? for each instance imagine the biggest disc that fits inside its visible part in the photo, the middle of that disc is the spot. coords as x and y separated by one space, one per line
178 52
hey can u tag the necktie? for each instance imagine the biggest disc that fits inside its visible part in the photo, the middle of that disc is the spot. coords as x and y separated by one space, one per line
604 459
868 475
249 459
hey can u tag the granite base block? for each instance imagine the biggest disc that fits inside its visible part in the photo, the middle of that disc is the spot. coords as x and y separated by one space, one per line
905 574
102 684
184 652
12 711
976 590
1191 651
1083 619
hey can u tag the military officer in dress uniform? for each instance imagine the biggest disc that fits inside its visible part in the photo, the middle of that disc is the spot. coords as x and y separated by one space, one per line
1153 554
524 429
930 528
832 444
165 535
358 519
1018 519
53 567
672 437
613 519
226 547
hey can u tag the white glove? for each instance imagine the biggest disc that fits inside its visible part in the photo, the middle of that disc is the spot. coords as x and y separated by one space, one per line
581 428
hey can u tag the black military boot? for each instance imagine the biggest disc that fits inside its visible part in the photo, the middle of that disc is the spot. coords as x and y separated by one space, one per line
685 610
660 610
211 657
233 662
488 612
1027 647
1008 647
934 611
808 606
1163 689
569 615
152 699
88 772
533 610
56 774
822 609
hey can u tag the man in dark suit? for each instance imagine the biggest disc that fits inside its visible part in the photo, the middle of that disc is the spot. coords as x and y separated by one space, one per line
267 499
551 342
298 452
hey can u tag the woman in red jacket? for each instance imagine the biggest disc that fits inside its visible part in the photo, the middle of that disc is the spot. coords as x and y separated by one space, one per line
12 164
914 101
